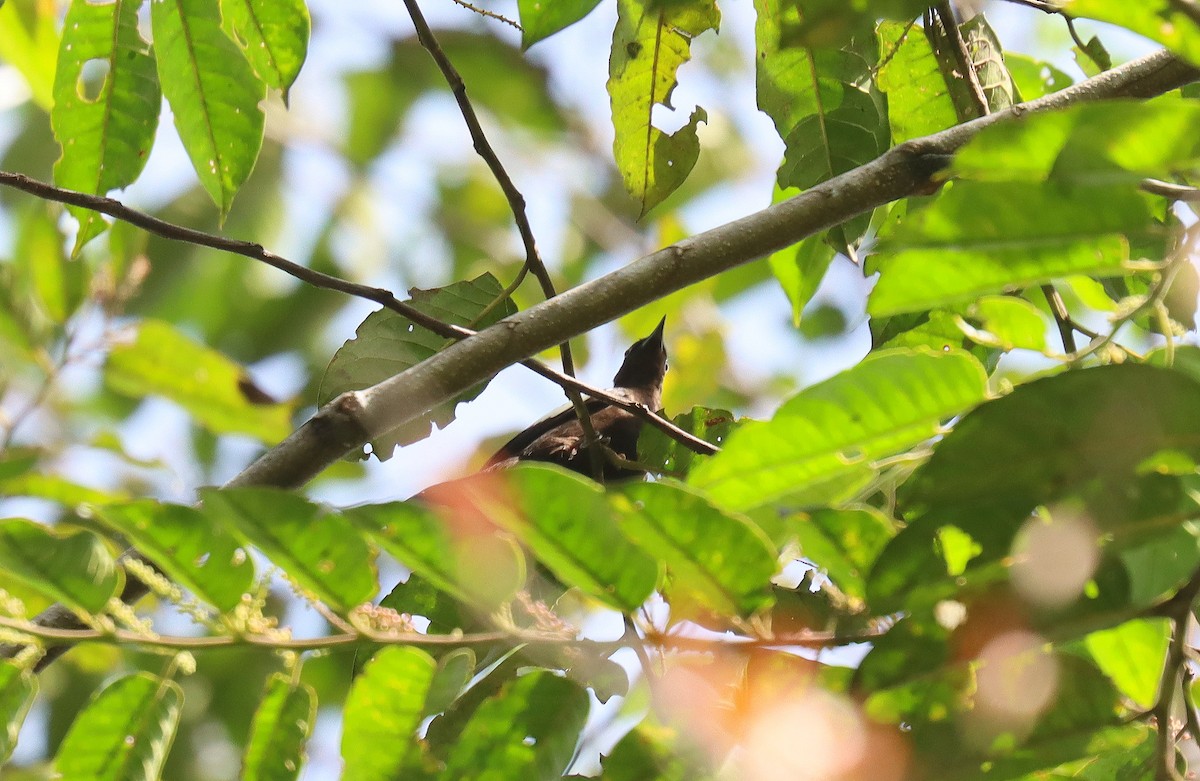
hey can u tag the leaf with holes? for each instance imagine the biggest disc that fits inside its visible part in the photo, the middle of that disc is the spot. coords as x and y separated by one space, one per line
106 104
651 41
386 344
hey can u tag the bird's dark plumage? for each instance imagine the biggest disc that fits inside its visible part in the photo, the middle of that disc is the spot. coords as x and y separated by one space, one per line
559 438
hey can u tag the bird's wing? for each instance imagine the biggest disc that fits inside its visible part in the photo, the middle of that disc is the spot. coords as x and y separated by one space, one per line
517 445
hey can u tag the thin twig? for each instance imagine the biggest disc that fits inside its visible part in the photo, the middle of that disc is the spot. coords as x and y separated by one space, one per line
516 203
53 636
490 14
1178 609
385 298
1062 317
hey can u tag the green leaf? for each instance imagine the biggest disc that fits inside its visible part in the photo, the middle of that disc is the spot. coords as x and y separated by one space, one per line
210 386
213 93
73 568
186 544
1029 446
383 710
529 730
1007 322
649 753
1132 655
919 103
124 733
454 672
800 268
446 545
836 428
283 722
57 284
820 100
317 548
1024 449
1158 20
1099 143
58 489
658 450
386 344
843 543
105 129
542 18
979 238
1035 78
29 43
273 35
565 521
716 561
651 41
18 687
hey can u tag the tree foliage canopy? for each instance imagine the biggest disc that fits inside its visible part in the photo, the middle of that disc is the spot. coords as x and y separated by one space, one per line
970 551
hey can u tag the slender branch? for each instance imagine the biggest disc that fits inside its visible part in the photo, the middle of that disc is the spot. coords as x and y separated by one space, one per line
490 14
1178 610
1176 192
57 636
169 230
1062 317
516 203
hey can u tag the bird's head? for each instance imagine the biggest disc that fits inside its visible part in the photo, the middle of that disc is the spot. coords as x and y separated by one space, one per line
645 362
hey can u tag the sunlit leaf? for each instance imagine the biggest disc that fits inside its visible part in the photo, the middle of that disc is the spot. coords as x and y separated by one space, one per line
273 34
447 546
124 733
565 521
657 449
542 18
163 361
186 544
383 710
1132 655
317 548
73 568
982 238
891 401
919 102
285 718
716 561
529 730
1159 20
213 93
17 690
29 43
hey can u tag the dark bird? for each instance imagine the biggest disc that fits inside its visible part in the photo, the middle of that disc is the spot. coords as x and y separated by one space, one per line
559 439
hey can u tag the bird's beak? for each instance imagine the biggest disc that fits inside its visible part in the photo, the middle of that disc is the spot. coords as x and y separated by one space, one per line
657 334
